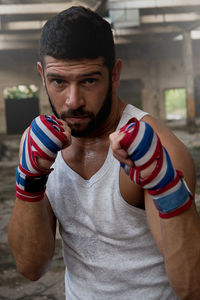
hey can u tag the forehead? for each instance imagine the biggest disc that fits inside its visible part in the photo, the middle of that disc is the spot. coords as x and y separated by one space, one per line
52 64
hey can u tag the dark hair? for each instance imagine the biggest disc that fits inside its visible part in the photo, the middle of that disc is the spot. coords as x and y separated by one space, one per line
78 33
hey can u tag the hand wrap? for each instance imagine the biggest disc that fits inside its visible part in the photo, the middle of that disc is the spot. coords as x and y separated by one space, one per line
44 139
165 184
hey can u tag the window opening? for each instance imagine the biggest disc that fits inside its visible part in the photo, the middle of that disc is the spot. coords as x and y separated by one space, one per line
175 104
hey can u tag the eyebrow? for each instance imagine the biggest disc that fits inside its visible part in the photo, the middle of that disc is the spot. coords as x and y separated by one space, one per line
93 73
53 75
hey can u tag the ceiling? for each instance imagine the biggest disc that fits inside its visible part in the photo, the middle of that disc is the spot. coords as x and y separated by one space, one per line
133 20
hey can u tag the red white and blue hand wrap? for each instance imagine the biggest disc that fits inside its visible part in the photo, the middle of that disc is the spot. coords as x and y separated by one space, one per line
44 139
165 184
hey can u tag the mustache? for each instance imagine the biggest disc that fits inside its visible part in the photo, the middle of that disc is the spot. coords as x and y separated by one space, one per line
80 112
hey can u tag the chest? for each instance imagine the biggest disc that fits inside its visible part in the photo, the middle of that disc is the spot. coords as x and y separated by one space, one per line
88 163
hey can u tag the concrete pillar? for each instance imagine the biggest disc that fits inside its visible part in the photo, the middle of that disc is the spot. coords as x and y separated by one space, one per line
152 96
2 112
189 77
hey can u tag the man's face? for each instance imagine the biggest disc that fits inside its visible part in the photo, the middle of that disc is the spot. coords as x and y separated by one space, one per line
79 92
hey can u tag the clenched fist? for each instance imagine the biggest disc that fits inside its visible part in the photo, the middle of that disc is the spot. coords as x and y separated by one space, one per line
44 138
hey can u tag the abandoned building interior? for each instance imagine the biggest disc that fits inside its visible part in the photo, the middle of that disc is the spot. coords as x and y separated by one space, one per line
157 40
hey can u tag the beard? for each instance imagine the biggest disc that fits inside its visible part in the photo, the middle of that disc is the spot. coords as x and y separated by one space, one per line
95 121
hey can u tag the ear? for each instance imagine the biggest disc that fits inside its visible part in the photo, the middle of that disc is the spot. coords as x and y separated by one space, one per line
40 70
116 74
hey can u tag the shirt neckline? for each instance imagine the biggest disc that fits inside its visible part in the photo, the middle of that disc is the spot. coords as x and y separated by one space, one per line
106 166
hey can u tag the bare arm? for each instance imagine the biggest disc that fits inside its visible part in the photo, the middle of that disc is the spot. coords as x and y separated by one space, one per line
31 236
179 237
32 226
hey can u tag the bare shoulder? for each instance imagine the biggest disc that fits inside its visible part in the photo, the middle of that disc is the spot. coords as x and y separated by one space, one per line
165 134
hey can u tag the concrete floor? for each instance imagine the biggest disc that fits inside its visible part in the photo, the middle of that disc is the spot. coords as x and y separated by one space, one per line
51 286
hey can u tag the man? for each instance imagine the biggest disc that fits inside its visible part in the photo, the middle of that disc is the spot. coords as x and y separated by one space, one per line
129 232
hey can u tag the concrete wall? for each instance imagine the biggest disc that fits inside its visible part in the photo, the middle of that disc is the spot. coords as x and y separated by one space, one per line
158 66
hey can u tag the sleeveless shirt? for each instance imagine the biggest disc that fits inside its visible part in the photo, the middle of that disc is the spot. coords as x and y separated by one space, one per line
108 248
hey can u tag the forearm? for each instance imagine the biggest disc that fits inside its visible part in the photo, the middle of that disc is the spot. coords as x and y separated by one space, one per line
181 247
31 238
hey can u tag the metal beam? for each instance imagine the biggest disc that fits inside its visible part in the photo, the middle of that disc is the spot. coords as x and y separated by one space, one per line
14 45
39 8
24 25
19 37
167 18
112 5
150 30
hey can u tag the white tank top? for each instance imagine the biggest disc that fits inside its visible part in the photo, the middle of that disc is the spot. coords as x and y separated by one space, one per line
108 249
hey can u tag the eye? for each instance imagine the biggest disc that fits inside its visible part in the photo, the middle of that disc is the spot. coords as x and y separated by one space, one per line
58 81
89 81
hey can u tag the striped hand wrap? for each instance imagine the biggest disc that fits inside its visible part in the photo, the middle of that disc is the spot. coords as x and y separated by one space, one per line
44 139
165 184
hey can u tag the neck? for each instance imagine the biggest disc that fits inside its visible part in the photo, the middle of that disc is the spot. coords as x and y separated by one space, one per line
109 125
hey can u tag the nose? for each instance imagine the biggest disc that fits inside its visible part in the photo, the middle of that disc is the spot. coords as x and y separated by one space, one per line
74 99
